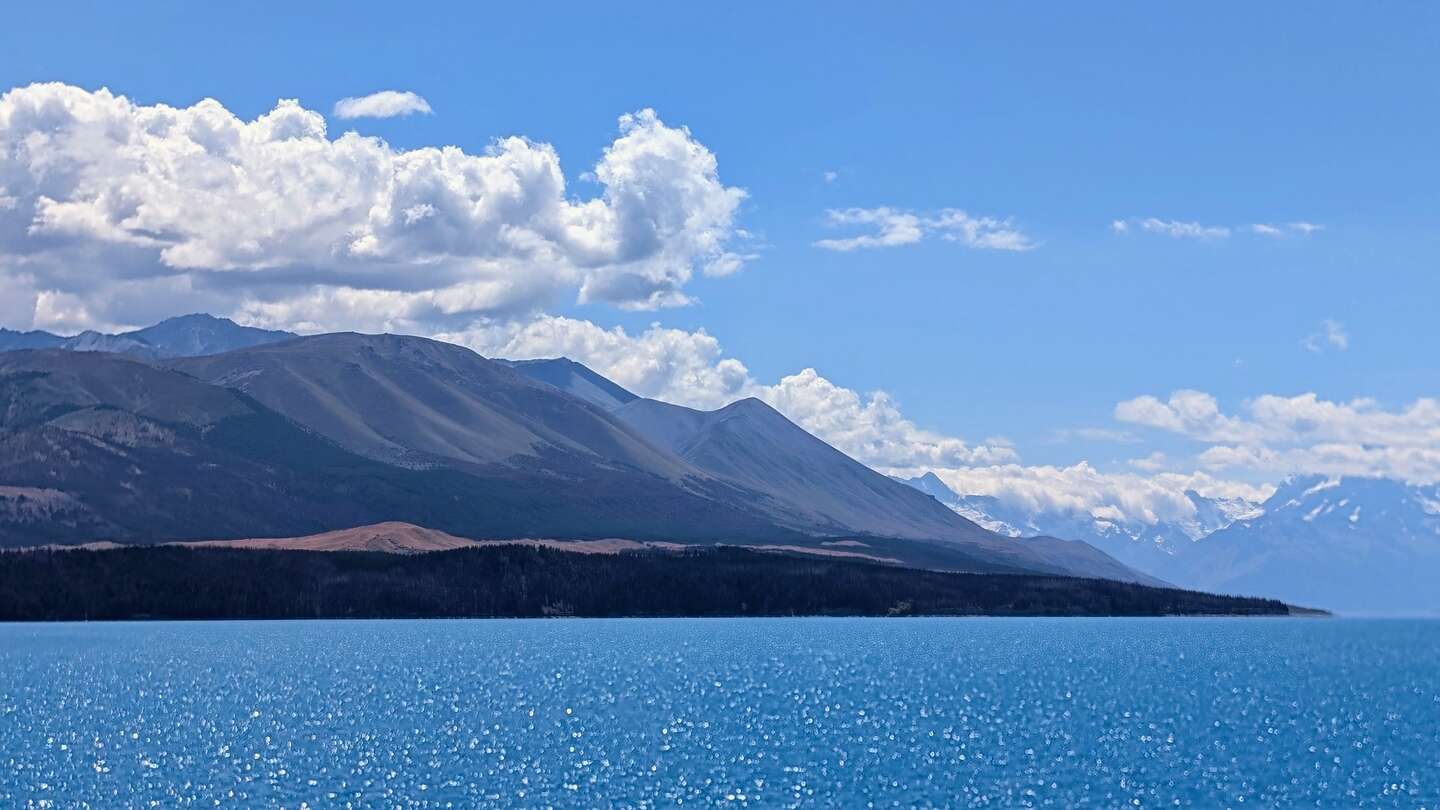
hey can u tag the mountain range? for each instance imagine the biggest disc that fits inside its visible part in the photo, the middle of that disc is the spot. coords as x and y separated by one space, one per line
184 336
1149 546
1353 544
199 429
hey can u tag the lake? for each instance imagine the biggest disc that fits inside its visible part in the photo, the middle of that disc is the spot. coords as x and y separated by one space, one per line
744 712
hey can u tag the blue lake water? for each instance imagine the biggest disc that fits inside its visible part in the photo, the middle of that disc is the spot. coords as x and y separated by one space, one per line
746 712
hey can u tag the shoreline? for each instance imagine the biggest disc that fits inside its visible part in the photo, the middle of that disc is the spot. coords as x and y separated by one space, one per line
158 583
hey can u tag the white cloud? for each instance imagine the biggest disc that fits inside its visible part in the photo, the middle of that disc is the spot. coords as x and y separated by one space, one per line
1332 335
831 176
1194 230
1175 228
1191 413
1154 462
689 368
1289 228
1278 435
870 428
384 104
1080 489
121 210
1095 434
892 227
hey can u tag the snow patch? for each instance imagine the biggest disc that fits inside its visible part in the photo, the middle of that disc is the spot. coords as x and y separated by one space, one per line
1329 483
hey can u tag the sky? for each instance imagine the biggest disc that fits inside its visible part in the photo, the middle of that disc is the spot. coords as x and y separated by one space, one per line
1085 257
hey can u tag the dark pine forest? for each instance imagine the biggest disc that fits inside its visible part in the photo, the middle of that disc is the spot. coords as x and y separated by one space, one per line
171 582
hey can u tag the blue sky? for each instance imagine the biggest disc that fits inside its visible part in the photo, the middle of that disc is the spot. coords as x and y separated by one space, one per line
1059 119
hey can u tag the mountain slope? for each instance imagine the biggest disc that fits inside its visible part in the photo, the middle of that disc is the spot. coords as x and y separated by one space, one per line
808 483
419 402
98 446
752 444
575 380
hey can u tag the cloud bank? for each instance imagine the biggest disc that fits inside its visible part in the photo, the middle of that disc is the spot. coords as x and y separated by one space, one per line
1278 435
114 211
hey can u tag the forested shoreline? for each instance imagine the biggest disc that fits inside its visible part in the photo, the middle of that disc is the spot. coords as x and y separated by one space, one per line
170 582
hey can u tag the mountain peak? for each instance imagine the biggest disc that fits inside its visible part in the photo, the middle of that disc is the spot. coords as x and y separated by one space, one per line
932 485
576 379
749 405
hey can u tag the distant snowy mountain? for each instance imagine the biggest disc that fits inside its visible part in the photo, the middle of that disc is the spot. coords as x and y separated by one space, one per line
1150 547
1349 544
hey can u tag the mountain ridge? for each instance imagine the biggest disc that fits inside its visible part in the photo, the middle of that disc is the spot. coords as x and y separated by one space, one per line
344 430
181 336
1353 543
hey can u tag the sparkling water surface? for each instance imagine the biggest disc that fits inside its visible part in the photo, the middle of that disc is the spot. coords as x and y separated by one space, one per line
743 712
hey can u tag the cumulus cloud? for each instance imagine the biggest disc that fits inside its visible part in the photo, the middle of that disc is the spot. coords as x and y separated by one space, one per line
892 227
1332 335
689 368
1083 490
1302 434
871 427
384 104
109 201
